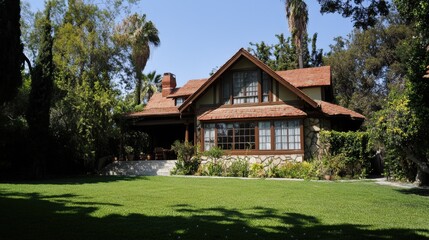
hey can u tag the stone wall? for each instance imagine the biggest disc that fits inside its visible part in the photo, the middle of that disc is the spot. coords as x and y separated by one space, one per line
265 160
312 127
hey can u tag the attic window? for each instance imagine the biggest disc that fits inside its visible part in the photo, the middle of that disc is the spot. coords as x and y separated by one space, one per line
245 87
179 101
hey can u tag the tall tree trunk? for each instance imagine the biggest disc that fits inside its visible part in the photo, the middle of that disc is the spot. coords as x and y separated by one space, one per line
138 89
40 101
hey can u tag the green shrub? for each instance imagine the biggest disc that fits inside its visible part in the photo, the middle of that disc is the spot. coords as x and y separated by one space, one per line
302 170
238 168
188 159
257 170
214 169
214 153
345 154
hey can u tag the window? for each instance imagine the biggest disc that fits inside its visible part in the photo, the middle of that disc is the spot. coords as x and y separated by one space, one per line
266 87
225 135
241 135
209 136
245 87
179 101
226 91
244 137
287 135
264 135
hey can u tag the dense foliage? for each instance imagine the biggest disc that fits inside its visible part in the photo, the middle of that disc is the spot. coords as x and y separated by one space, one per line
11 50
188 158
345 154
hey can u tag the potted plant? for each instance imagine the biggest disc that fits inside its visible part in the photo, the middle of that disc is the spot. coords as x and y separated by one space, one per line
130 152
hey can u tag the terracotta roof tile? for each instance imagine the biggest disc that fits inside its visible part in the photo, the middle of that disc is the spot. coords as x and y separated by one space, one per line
251 112
189 88
157 105
335 110
308 77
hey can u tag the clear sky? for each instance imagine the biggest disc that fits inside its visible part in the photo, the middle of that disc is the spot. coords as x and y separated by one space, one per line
199 35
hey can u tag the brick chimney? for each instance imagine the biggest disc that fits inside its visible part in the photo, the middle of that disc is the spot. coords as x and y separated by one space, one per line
168 84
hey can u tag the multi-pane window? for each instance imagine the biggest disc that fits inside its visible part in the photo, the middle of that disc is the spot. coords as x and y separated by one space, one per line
225 135
244 135
287 135
266 86
226 91
209 136
179 101
264 135
241 135
245 87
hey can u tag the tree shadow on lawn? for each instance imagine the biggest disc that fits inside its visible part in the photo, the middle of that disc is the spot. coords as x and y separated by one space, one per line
35 216
76 180
416 191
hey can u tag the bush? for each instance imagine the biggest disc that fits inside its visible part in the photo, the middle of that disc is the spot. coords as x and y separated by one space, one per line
257 170
303 170
345 154
214 169
238 168
188 159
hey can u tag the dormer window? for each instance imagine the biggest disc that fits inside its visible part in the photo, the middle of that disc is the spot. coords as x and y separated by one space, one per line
179 101
250 86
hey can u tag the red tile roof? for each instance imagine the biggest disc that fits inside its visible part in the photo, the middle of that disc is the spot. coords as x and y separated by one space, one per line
225 113
157 105
308 77
336 110
189 88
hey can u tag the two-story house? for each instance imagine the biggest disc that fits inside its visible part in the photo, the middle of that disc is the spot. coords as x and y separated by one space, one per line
246 108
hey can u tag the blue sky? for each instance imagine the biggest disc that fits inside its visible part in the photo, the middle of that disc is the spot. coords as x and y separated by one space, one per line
199 35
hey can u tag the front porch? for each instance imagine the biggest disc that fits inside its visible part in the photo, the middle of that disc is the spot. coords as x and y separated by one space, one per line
163 132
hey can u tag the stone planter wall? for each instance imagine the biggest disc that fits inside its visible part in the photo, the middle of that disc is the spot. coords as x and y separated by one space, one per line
265 160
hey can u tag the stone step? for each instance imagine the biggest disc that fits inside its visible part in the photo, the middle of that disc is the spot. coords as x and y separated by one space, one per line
140 168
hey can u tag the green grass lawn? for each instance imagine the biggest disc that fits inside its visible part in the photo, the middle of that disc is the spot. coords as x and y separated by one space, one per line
210 208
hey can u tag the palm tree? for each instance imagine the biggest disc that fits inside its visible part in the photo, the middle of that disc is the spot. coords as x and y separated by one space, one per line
297 15
138 34
151 84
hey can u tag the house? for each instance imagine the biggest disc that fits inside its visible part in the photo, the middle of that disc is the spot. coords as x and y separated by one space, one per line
246 108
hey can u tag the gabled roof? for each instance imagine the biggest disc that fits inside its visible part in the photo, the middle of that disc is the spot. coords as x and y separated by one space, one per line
243 53
308 77
157 105
267 111
336 110
188 89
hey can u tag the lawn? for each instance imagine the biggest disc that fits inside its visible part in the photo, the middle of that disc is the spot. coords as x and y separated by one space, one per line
209 208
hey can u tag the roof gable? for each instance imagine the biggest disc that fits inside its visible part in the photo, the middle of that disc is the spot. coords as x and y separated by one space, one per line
243 53
308 77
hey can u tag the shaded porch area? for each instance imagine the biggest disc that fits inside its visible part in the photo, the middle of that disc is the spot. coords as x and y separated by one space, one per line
163 132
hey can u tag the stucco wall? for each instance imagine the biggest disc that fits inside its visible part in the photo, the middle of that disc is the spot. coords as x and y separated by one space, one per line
313 92
286 95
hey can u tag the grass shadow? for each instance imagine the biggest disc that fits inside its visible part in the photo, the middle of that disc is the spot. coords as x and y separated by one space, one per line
38 216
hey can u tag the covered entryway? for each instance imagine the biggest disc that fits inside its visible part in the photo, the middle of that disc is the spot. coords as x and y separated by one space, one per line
163 131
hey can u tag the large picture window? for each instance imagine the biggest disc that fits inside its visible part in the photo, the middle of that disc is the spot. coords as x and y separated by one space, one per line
286 135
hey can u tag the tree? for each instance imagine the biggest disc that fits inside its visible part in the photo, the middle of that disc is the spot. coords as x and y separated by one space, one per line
40 98
297 15
368 63
283 55
138 34
151 84
11 50
364 13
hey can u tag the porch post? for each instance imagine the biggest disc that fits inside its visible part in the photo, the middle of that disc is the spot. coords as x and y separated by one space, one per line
187 132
